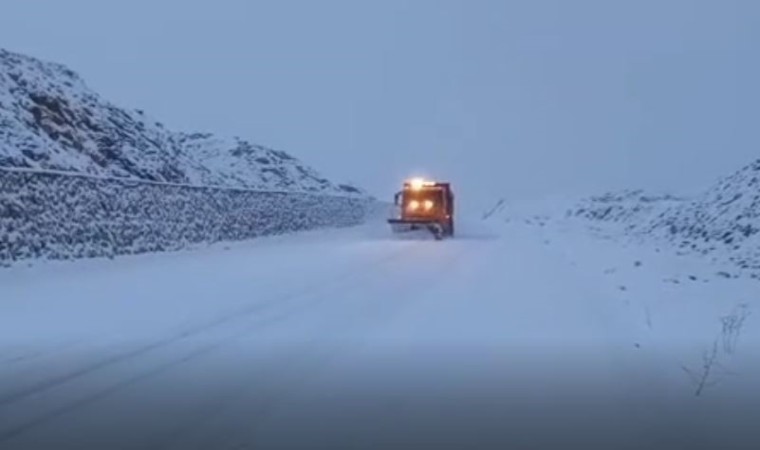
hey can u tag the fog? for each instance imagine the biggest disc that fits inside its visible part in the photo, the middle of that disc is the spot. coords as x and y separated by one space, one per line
504 98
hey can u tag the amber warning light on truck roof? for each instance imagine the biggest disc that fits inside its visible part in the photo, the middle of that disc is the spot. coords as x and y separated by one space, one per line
418 183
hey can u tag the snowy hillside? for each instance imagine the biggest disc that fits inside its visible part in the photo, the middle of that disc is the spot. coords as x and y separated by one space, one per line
81 177
50 120
725 217
722 222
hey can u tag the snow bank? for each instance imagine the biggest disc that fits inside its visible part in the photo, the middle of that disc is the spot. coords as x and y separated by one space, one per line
723 222
630 208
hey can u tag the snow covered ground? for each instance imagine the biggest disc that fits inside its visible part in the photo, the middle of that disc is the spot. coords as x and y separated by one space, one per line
511 333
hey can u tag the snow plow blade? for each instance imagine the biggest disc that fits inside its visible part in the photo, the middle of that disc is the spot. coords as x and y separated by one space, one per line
406 225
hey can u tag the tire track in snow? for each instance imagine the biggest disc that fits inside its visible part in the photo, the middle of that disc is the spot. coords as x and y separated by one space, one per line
13 432
341 283
297 368
10 398
30 356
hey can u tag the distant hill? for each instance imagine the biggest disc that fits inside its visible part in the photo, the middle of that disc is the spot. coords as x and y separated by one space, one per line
50 120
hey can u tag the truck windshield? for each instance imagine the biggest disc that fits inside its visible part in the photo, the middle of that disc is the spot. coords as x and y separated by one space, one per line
436 195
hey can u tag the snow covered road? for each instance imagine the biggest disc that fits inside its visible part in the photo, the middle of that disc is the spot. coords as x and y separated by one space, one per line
337 339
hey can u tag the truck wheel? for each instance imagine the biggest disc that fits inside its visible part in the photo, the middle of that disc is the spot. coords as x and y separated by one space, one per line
437 231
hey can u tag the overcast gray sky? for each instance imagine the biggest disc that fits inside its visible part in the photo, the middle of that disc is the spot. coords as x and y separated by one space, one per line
504 97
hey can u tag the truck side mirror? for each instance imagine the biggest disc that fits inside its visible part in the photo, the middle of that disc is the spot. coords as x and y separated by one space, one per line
396 198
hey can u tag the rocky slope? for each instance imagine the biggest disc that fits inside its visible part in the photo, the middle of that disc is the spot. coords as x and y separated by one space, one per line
50 120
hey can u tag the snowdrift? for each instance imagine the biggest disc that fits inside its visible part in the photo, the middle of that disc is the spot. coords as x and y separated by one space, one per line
722 222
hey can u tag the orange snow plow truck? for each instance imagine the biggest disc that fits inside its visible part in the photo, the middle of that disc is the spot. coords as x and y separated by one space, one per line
425 205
